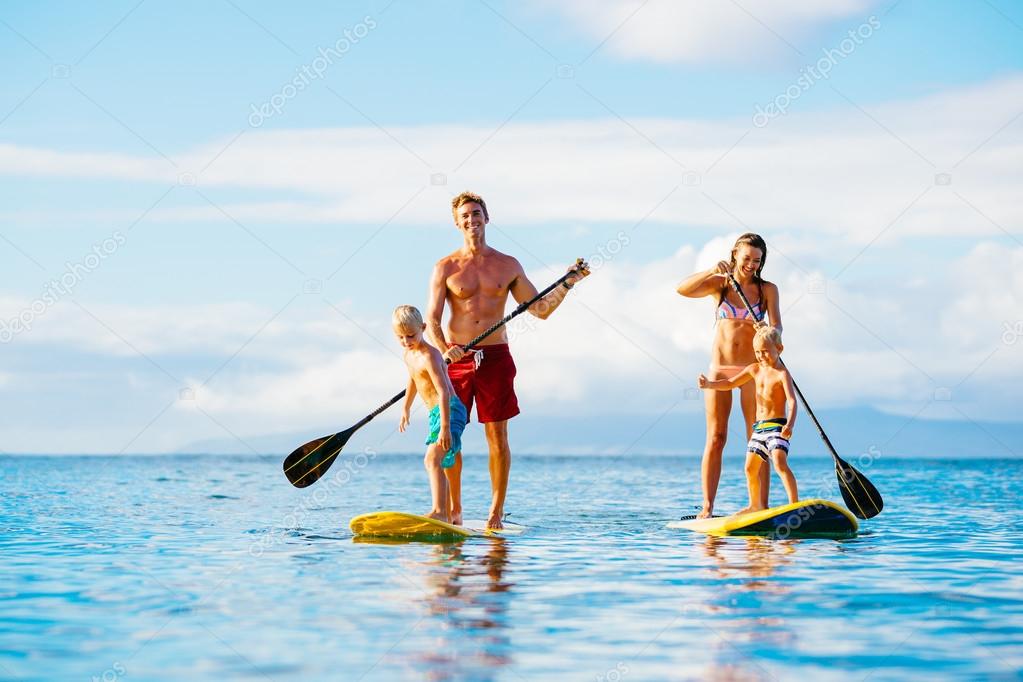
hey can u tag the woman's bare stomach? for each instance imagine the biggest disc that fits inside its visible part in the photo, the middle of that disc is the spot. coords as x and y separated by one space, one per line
733 345
732 351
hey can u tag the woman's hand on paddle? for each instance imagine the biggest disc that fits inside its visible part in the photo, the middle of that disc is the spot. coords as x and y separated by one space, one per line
403 422
444 439
723 268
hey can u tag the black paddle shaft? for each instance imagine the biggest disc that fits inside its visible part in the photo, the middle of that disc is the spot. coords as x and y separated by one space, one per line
309 462
864 501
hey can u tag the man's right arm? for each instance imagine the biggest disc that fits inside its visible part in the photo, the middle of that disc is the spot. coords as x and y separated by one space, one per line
435 310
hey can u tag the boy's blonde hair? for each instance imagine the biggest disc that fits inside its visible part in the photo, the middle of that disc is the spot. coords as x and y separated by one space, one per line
771 335
466 197
407 318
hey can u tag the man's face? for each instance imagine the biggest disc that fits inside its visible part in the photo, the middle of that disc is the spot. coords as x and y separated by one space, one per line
470 219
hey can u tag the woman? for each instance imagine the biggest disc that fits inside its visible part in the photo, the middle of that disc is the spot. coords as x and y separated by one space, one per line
732 349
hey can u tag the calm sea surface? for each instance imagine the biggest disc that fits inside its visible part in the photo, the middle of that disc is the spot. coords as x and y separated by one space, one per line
182 568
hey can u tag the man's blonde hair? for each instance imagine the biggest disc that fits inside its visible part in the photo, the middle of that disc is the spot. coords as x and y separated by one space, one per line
772 335
407 318
466 197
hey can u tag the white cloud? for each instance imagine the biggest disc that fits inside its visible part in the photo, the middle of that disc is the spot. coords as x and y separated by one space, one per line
835 172
163 330
626 342
698 31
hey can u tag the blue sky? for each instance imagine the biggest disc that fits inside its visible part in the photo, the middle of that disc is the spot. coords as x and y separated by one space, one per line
259 263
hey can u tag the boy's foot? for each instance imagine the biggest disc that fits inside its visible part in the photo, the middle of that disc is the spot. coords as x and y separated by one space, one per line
706 512
456 518
748 510
440 516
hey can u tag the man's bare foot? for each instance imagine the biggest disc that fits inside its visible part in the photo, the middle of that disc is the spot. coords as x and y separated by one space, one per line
749 510
440 516
456 518
494 521
706 512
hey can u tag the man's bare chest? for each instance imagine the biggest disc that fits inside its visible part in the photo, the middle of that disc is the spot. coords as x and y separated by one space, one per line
479 282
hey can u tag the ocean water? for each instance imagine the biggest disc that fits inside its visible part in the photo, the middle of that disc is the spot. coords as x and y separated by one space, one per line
204 567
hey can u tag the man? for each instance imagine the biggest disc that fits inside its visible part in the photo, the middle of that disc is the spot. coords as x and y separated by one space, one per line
475 281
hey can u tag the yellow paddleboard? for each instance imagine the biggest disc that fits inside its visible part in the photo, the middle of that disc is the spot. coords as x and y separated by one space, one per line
806 518
392 524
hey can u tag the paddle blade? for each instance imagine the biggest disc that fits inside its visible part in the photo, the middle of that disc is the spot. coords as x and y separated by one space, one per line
860 495
304 466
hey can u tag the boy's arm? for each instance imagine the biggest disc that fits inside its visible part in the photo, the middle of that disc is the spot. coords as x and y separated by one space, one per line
410 395
439 376
727 384
791 406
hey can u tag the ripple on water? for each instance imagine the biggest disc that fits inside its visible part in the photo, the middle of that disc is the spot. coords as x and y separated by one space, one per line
176 569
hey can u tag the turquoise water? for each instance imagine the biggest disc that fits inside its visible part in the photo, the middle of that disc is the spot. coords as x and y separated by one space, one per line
215 568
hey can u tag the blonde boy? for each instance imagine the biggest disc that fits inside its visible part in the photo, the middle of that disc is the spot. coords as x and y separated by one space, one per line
771 432
428 377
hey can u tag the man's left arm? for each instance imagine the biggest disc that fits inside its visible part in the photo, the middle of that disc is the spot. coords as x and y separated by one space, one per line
523 290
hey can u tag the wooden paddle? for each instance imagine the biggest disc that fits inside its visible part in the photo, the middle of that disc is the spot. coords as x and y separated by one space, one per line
307 464
859 493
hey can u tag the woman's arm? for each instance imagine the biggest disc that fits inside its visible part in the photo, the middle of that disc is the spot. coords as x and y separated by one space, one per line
705 283
773 305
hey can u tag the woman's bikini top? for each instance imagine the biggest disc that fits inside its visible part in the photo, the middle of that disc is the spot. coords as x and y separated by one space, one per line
727 311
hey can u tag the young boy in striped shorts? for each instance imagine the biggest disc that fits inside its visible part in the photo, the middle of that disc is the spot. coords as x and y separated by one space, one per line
776 396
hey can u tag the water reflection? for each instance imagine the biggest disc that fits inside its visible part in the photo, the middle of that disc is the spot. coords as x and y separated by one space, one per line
741 608
464 595
753 557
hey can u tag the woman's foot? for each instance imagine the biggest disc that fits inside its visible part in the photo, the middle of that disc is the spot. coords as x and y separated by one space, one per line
456 518
706 512
749 510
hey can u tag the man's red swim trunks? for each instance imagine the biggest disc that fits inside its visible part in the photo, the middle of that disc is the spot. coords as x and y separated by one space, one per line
486 375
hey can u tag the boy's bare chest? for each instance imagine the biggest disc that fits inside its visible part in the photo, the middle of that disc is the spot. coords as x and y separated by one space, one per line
770 381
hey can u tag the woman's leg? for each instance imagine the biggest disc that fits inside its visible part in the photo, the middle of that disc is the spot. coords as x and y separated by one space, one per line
748 400
717 405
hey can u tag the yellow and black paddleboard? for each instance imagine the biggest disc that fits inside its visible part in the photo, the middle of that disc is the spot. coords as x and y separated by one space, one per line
392 524
806 518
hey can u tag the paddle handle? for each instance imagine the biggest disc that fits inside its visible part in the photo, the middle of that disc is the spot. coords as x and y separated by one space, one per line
802 398
521 308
